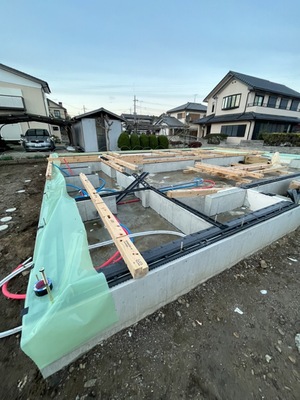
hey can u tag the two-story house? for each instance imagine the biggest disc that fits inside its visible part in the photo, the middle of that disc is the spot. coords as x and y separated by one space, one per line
23 98
243 107
187 114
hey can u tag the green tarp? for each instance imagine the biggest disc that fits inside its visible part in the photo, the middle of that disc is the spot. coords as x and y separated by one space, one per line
82 304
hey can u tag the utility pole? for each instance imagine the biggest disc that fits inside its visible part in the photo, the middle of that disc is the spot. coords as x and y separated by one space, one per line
84 109
134 104
134 113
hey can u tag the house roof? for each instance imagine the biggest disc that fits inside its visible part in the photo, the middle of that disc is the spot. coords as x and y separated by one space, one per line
44 84
97 113
56 104
138 116
256 84
172 122
250 116
189 107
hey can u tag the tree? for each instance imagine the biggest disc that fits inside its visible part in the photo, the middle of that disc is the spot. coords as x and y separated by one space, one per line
153 142
163 142
124 141
145 142
135 141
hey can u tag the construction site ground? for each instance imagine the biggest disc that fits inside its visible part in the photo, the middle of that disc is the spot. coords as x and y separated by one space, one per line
225 340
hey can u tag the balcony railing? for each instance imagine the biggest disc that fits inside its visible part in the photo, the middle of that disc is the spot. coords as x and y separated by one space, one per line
269 106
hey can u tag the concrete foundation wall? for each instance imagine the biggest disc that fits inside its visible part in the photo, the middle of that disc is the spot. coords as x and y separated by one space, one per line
183 220
170 166
225 200
88 211
135 299
223 161
75 180
256 201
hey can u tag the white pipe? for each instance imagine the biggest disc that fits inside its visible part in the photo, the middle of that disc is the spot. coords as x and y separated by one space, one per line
133 235
6 279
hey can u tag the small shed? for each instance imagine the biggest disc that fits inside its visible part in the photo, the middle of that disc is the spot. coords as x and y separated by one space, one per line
96 130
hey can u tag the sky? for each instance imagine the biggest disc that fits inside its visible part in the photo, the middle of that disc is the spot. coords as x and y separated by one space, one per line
96 53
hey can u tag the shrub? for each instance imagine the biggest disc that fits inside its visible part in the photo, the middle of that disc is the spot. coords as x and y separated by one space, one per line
144 139
153 142
135 141
195 144
281 139
220 136
163 142
124 141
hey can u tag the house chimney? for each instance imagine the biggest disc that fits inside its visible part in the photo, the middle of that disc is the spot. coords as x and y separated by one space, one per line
60 103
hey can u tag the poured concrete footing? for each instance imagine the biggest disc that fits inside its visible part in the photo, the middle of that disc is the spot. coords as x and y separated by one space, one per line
135 299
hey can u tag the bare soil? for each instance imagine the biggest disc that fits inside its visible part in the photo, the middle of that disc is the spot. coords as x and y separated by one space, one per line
198 347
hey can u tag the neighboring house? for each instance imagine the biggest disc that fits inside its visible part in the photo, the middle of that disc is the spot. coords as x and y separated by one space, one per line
189 113
21 93
169 126
56 110
96 130
138 123
243 107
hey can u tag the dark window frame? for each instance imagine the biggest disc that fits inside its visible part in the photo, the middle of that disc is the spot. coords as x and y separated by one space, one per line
284 103
271 103
232 101
258 100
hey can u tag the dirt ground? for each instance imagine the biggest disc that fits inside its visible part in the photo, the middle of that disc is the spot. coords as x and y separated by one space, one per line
198 347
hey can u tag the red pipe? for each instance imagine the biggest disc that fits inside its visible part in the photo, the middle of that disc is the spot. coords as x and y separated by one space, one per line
13 296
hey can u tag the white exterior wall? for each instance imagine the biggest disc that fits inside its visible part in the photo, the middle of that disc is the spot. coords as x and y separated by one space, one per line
34 99
85 135
114 131
234 87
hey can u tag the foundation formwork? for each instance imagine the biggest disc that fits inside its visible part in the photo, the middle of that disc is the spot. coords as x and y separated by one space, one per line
179 265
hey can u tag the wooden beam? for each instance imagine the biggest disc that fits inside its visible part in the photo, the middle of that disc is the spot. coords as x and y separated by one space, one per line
223 175
78 159
294 185
253 159
126 164
132 257
113 165
230 171
192 192
49 171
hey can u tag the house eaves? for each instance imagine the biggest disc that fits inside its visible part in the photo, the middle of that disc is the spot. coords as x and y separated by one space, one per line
189 107
44 84
254 84
212 119
172 122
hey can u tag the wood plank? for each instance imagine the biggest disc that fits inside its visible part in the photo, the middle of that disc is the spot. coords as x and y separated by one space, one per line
132 257
78 159
120 161
294 185
227 171
255 159
113 165
49 171
173 194
221 174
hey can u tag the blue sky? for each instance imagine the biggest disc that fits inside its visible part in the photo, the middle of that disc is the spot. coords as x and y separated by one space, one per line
96 53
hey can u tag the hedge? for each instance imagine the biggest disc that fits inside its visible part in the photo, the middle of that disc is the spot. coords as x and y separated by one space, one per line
124 141
135 142
153 142
163 142
280 139
144 139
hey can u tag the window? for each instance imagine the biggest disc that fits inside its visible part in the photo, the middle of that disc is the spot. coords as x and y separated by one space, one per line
295 105
233 130
55 128
212 108
283 103
272 101
56 113
231 102
258 100
179 115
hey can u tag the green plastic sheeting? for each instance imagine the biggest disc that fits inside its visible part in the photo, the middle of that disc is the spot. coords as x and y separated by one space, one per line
82 304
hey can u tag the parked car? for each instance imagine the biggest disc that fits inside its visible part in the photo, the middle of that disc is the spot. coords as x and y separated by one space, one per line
37 139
